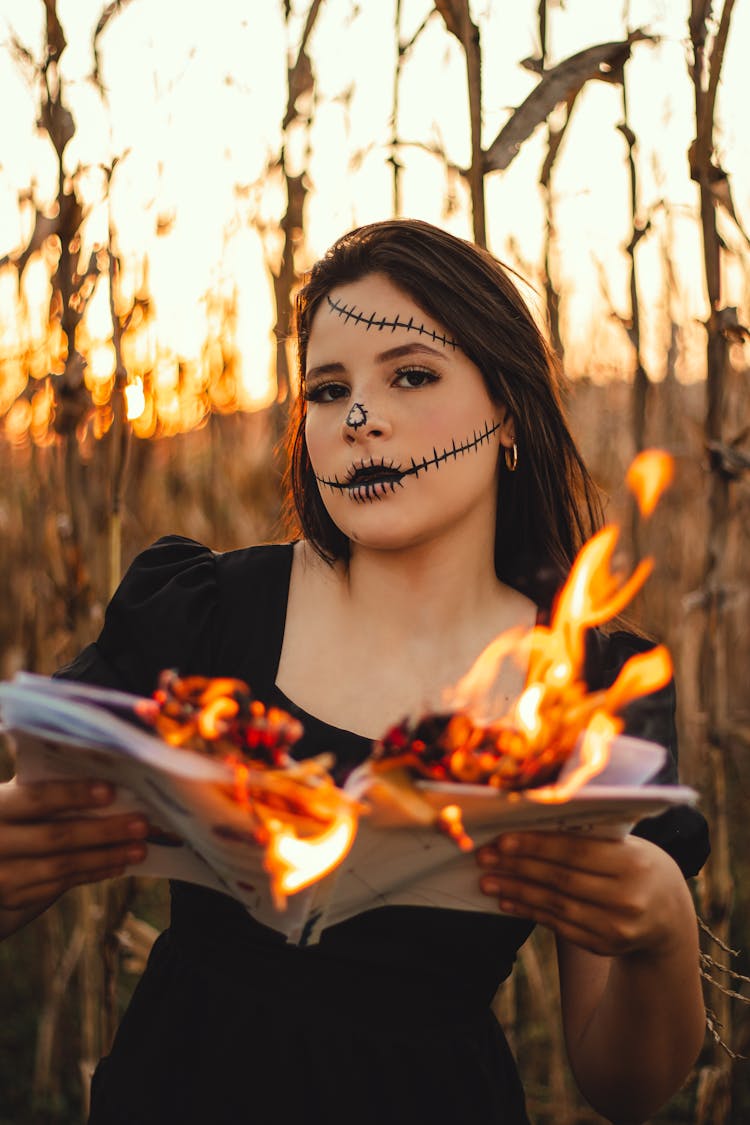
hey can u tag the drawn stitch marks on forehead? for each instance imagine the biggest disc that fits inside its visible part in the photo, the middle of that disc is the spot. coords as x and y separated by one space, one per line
372 479
375 321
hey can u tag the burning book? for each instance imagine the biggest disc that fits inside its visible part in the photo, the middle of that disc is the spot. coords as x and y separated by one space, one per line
214 766
525 748
287 843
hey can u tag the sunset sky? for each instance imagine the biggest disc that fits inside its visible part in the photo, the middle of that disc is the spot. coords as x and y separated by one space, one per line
196 94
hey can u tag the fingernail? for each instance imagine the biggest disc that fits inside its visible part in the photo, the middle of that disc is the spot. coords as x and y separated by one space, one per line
509 843
486 858
508 906
489 885
101 793
138 829
136 853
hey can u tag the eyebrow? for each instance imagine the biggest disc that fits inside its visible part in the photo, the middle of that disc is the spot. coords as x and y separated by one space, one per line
382 357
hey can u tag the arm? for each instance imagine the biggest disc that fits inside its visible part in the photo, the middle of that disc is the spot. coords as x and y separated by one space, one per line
634 1022
628 954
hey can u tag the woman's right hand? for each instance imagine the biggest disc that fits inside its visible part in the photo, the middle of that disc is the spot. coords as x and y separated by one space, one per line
49 841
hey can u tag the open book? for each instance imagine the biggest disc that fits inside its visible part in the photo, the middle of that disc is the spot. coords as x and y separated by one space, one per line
62 729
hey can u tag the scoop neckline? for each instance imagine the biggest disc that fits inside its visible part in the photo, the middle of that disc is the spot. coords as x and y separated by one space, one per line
306 716
300 711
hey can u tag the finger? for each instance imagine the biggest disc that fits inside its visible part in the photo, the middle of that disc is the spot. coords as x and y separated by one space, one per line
610 930
44 894
531 899
17 877
558 881
591 940
70 834
42 799
568 849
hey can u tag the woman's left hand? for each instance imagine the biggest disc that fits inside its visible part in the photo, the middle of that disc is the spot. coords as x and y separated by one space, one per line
609 896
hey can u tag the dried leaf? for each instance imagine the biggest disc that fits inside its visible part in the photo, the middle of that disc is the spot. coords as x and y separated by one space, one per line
718 184
56 41
555 140
301 81
22 54
729 463
406 46
71 397
730 326
111 10
450 10
58 121
722 194
627 133
533 64
559 84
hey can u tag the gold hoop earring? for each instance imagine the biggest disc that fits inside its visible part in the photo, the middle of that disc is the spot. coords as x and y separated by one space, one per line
511 458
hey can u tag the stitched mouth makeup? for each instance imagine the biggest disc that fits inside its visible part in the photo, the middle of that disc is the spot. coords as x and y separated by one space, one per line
376 478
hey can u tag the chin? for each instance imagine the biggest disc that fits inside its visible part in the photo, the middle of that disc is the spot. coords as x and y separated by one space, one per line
381 534
399 521
377 529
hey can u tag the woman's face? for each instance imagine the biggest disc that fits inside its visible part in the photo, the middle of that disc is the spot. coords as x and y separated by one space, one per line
402 434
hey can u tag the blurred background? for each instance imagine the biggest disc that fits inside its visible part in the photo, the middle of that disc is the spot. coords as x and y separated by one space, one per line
168 172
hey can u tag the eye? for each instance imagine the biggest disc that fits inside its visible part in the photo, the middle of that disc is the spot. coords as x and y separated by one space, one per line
326 392
414 377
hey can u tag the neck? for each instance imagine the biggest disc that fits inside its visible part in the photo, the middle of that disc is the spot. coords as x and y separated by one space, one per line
426 590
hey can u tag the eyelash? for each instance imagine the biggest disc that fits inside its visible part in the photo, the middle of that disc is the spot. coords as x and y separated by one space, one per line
430 376
317 393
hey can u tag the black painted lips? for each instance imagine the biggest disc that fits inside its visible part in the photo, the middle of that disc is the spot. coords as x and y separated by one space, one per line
372 475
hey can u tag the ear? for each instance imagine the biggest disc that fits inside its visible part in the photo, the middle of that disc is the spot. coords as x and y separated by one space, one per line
507 429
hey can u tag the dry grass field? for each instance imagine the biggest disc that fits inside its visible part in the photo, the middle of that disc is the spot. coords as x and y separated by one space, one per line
218 485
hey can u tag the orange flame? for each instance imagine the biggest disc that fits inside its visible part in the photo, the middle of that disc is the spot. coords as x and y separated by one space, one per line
450 820
648 476
305 823
295 863
212 713
536 736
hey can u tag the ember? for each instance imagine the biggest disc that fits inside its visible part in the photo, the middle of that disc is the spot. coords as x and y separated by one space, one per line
295 811
220 717
450 820
527 746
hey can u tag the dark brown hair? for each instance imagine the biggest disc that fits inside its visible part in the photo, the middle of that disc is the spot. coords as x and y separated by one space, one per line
549 506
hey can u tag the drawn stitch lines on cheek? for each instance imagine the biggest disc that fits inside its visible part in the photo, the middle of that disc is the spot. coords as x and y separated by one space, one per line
380 322
374 478
356 417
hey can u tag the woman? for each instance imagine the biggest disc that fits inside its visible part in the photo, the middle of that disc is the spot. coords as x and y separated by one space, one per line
442 499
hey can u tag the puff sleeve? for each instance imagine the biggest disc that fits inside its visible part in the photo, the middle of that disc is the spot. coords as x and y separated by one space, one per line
681 831
162 615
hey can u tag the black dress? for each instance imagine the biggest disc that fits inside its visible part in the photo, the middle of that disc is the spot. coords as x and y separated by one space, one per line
388 1019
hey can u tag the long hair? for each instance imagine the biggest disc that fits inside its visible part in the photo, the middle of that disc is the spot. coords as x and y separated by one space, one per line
549 505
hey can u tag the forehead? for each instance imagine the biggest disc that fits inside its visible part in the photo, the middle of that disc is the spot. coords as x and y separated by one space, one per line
374 311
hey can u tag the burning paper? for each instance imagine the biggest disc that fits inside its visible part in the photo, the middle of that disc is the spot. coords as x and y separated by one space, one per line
527 746
294 810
